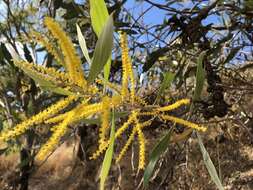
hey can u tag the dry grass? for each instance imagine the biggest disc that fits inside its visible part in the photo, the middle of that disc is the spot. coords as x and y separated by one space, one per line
178 171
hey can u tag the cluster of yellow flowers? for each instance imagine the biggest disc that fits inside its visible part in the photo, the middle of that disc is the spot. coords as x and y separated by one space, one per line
84 99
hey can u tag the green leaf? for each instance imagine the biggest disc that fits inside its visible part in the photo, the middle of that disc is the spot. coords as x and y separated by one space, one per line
209 164
103 50
82 44
107 69
99 15
200 77
159 149
167 80
108 156
55 89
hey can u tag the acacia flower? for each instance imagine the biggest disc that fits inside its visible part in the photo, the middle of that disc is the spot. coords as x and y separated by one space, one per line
37 119
49 46
53 141
72 61
127 68
105 117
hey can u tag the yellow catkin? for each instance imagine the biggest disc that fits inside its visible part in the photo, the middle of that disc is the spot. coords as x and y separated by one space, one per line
126 146
183 122
51 144
127 68
141 101
141 139
56 119
115 101
50 74
61 117
72 61
36 119
146 123
175 105
124 90
100 150
81 111
125 125
105 118
49 46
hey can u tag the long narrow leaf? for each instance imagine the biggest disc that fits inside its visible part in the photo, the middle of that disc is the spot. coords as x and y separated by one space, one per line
200 77
159 149
103 50
82 44
107 69
108 156
209 164
99 16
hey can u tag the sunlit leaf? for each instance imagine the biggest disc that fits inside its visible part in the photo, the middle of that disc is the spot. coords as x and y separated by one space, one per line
103 50
99 15
82 44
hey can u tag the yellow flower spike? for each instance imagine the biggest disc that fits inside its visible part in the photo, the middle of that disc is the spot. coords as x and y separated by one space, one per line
126 124
146 123
105 120
56 119
141 139
175 105
51 144
50 73
36 119
140 101
126 146
72 61
115 101
142 146
100 150
49 47
84 111
183 122
127 68
61 117
124 57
